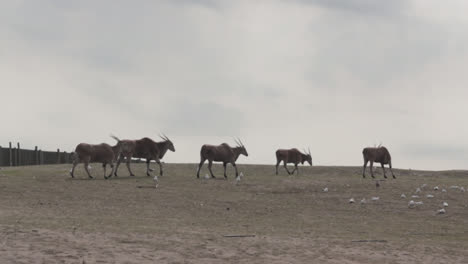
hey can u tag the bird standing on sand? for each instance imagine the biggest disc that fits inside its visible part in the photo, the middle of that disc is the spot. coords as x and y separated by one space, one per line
156 181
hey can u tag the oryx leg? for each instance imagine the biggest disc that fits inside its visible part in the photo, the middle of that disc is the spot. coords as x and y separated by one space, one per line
119 160
235 167
160 167
112 170
277 164
371 166
72 171
86 165
148 167
128 160
199 167
286 167
104 165
224 165
383 169
210 163
364 168
390 166
295 169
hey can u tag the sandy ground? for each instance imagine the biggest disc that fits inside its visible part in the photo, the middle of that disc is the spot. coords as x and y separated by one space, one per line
46 217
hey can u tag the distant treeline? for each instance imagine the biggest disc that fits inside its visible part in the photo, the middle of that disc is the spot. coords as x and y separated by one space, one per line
15 156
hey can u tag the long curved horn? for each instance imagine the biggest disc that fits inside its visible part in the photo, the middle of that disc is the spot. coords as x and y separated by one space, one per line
114 137
309 152
239 144
162 136
242 144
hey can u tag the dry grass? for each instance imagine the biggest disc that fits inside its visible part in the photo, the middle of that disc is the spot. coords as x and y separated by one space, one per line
45 216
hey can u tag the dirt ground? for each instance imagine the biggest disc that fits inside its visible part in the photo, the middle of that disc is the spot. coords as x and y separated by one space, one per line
47 217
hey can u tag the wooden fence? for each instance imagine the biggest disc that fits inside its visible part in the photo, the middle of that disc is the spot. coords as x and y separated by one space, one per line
15 156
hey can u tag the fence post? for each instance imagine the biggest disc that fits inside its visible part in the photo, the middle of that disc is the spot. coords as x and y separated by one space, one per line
36 156
18 153
58 156
11 156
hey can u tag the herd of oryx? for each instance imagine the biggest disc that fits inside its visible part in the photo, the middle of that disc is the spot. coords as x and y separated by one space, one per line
149 149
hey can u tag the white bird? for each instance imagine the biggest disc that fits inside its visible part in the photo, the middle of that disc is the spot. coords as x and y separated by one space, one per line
89 167
241 175
363 201
351 200
375 198
443 190
418 190
156 181
207 176
436 188
403 195
325 189
411 204
445 204
424 185
430 196
462 189
415 196
238 178
419 203
441 211
454 187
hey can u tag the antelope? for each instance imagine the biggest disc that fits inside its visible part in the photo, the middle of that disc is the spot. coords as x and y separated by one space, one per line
222 153
87 153
144 148
379 154
292 156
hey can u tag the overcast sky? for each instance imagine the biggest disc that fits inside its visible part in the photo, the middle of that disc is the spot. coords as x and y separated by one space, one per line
332 75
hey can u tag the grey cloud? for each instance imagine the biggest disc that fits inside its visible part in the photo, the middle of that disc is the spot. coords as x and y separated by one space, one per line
269 71
436 150
202 119
366 7
206 3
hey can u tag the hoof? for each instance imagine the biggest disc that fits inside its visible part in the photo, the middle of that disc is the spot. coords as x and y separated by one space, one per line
132 175
394 177
364 176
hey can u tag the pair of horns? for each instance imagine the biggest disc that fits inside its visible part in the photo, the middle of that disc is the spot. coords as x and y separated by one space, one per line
163 136
307 152
239 142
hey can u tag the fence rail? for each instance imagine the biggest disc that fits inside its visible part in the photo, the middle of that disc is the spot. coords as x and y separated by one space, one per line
15 156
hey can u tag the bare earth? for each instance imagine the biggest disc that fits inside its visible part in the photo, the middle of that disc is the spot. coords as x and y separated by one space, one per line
47 217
